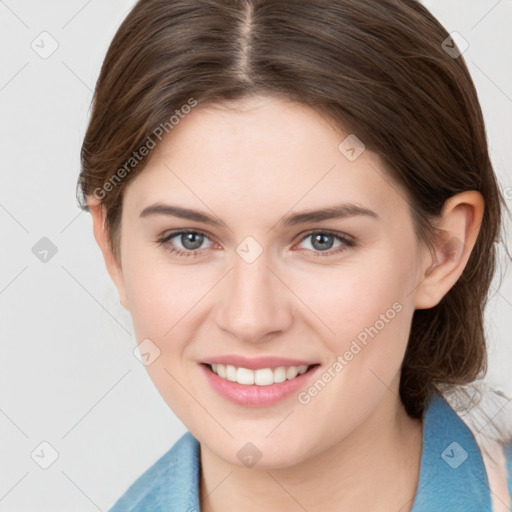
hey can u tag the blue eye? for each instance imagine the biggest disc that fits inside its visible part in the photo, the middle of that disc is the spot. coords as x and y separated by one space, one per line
322 242
191 241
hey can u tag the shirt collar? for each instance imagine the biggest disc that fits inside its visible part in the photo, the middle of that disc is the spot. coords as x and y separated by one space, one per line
452 471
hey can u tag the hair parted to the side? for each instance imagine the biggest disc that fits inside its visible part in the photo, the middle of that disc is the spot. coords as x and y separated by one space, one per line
377 68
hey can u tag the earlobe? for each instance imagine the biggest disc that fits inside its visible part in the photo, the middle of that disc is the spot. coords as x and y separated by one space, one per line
98 214
458 229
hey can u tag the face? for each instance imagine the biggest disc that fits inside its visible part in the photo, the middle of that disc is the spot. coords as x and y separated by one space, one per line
334 291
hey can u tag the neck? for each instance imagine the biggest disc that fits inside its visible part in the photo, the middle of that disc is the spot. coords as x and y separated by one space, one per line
375 468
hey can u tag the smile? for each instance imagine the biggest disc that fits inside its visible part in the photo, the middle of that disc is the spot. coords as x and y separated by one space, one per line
262 387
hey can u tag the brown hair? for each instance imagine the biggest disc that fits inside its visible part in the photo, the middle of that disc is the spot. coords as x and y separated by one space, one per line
378 68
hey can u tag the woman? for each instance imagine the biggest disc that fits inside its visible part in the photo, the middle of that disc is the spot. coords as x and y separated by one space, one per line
296 204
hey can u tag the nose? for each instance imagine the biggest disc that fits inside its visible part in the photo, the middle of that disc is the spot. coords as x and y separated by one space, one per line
255 305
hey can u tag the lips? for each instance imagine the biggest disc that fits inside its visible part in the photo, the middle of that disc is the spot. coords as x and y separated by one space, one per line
255 395
257 363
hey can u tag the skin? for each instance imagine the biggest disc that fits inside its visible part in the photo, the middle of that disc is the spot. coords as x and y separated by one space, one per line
249 163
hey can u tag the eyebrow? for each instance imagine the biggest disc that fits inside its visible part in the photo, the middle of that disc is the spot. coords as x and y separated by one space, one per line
334 212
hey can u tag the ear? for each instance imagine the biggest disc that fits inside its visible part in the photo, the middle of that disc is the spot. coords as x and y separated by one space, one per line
114 269
458 227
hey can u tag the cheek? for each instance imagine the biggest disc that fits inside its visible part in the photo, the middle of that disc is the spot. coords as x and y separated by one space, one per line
165 306
161 298
368 309
348 299
159 292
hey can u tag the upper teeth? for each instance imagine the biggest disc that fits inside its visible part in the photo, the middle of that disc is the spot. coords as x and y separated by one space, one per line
261 377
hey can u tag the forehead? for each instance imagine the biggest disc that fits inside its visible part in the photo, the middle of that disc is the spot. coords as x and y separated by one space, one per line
259 153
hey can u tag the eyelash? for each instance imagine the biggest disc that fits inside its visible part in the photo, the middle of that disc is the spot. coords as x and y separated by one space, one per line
346 242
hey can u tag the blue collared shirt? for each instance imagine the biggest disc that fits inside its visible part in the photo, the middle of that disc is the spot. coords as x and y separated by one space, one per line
452 472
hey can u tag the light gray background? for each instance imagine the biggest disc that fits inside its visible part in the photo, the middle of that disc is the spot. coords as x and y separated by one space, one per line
68 373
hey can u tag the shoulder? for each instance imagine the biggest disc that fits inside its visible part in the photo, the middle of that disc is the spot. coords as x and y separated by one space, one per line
169 484
498 463
487 412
